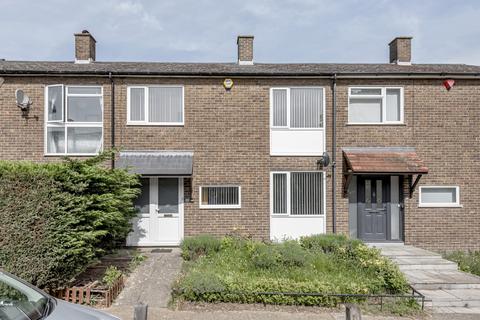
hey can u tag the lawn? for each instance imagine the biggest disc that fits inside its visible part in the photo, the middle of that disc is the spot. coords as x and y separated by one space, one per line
242 271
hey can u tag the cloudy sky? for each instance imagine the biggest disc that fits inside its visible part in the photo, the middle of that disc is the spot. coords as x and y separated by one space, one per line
444 31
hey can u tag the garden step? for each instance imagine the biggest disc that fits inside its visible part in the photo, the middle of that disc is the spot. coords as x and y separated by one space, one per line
449 266
396 251
442 279
452 298
458 310
426 261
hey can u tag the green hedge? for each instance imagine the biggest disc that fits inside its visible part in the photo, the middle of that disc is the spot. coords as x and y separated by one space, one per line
58 217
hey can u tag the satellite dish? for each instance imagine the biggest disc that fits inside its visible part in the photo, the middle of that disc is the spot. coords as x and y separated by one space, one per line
23 101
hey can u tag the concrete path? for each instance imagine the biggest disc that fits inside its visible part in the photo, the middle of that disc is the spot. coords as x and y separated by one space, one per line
448 289
151 282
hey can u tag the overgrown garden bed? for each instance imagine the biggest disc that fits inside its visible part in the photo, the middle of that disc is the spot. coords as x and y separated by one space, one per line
468 261
322 270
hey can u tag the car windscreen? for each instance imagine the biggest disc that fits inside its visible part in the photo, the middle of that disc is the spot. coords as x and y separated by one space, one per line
19 301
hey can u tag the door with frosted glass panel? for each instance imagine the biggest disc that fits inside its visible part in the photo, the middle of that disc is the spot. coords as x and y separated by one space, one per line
373 207
160 210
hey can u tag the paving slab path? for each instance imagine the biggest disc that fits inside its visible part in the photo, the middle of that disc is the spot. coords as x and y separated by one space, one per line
151 282
447 289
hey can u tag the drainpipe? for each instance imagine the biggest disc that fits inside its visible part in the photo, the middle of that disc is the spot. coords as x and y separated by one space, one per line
112 110
334 152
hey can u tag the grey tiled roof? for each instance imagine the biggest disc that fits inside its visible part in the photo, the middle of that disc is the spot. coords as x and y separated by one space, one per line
232 69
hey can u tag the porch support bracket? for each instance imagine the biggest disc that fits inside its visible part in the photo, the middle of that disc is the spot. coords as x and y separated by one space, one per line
414 184
347 178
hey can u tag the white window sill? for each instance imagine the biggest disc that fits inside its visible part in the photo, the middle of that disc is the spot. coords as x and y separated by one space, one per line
156 124
440 205
296 129
376 124
220 207
71 154
285 215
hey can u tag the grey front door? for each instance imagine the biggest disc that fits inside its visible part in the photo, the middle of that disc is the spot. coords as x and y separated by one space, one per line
373 200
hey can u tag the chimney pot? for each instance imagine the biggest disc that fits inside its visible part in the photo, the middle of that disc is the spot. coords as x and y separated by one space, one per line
85 45
245 50
401 50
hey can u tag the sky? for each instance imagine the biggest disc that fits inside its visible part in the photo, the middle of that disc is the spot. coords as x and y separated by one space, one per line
334 31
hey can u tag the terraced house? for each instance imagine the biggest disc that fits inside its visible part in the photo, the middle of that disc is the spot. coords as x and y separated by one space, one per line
382 152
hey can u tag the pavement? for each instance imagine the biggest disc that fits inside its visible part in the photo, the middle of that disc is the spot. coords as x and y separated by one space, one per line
164 313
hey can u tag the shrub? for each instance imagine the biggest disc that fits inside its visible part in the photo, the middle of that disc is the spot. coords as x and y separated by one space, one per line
264 256
327 243
111 275
58 217
193 247
291 254
467 261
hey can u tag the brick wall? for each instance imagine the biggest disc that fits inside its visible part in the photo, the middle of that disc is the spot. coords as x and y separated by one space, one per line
229 134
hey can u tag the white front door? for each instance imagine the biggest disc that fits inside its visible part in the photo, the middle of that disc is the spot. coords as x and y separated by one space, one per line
160 218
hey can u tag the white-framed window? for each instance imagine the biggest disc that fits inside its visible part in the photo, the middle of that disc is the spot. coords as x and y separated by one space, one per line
375 105
73 120
439 196
297 108
220 197
155 105
297 193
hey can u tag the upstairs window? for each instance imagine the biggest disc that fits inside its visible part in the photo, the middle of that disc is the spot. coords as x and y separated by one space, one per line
74 120
375 105
155 105
297 108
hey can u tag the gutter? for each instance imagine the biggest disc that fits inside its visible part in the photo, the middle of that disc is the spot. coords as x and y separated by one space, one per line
246 75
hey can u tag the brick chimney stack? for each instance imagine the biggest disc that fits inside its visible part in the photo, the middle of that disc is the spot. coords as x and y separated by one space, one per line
245 50
401 50
84 47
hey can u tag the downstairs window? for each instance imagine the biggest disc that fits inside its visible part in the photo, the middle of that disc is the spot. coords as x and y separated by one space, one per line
220 197
296 193
439 196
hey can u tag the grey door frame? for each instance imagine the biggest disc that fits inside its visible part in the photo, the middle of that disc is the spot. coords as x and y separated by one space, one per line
387 200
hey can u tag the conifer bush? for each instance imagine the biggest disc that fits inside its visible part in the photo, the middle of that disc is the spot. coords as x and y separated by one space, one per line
56 218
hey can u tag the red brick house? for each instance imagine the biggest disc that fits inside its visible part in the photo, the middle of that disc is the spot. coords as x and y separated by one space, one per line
382 152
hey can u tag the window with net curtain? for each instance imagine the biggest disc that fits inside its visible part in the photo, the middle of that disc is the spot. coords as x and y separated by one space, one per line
156 105
437 196
297 193
375 105
297 108
74 122
220 196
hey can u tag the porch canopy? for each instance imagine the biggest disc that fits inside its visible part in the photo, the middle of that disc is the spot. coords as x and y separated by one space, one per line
383 161
168 163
